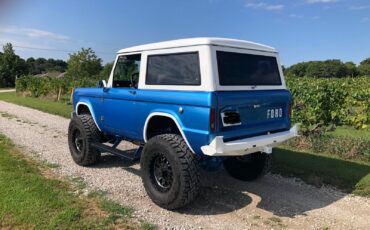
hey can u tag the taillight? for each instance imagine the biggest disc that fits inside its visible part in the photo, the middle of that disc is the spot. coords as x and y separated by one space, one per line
290 111
230 118
212 119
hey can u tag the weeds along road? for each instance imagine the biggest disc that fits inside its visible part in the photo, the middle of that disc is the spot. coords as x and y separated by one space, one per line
224 203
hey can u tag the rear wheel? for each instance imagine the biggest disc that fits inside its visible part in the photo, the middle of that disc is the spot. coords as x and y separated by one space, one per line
169 171
248 167
82 132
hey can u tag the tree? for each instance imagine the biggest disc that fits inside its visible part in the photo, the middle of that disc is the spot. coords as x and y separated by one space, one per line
11 66
104 74
297 70
323 69
364 67
351 69
41 65
326 69
84 64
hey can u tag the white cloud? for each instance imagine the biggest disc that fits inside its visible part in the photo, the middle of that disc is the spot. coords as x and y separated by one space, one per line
359 7
22 45
264 6
365 19
321 1
32 33
298 16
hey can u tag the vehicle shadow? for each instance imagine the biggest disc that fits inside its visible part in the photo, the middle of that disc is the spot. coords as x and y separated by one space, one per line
113 161
282 196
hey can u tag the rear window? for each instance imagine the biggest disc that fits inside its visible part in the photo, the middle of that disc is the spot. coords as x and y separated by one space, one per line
247 69
173 69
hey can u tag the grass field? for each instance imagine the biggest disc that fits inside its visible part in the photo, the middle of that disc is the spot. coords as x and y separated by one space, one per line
45 105
31 198
350 132
314 168
318 169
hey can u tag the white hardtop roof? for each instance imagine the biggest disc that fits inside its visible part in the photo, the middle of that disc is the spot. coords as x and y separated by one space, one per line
199 41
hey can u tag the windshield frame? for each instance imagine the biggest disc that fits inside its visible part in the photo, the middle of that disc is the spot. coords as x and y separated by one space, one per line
220 87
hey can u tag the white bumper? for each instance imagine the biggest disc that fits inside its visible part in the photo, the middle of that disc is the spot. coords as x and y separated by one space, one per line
240 147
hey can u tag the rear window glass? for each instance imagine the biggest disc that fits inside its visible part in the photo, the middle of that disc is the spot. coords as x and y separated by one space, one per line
173 69
247 69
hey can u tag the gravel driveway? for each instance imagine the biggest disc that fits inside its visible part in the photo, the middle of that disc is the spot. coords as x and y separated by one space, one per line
224 203
6 90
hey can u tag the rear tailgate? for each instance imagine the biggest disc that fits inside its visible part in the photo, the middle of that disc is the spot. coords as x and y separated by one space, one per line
260 111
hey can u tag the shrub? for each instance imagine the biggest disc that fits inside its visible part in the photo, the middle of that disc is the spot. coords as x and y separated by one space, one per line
344 147
343 101
46 86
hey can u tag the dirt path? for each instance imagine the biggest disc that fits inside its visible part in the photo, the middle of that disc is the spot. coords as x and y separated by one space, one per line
273 202
6 90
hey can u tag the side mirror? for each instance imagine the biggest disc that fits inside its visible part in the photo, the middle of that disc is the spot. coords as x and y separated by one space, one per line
102 84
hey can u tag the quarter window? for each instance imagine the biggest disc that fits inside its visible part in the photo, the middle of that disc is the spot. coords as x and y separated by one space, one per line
236 69
173 69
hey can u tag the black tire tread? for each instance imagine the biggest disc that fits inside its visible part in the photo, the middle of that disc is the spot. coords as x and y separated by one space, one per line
251 170
92 135
189 168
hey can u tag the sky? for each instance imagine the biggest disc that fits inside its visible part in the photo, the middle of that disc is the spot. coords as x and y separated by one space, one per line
301 30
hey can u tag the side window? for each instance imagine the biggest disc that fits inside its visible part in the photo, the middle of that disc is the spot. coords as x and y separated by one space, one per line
173 69
126 72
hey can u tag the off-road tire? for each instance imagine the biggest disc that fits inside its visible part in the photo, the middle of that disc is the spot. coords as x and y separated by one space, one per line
89 134
257 165
184 165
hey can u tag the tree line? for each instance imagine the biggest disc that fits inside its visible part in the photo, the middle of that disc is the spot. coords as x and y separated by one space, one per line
81 66
329 69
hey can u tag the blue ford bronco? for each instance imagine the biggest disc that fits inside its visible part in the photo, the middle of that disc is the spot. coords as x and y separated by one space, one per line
190 103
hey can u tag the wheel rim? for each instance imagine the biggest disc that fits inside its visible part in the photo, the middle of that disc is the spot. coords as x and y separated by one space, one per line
162 172
78 141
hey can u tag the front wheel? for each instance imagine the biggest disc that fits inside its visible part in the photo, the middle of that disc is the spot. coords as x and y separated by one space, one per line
248 167
169 171
82 132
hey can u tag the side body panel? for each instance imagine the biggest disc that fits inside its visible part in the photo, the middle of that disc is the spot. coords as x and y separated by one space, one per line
117 111
92 98
193 120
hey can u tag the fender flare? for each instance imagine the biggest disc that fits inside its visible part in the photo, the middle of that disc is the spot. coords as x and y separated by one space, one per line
90 109
162 114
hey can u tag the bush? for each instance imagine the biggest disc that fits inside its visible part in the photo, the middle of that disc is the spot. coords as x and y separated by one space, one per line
344 147
343 101
46 86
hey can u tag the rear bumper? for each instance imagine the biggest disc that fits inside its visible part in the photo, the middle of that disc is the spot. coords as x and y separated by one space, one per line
248 145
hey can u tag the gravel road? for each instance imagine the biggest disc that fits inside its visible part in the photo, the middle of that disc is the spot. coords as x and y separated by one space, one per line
273 202
6 90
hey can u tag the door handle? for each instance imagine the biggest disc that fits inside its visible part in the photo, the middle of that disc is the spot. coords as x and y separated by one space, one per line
133 92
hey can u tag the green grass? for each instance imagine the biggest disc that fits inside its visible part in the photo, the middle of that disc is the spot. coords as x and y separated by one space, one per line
318 169
343 131
45 105
30 200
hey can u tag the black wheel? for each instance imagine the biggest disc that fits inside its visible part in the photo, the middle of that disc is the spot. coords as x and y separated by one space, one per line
169 171
248 167
82 132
